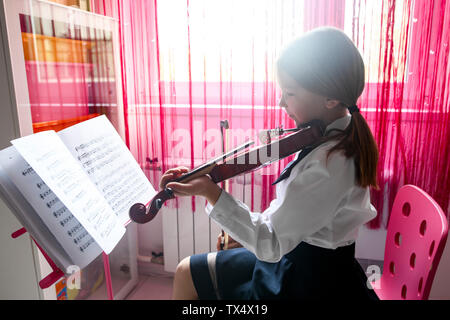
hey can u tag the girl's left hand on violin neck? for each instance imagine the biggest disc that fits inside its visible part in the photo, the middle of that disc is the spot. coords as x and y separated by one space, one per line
201 186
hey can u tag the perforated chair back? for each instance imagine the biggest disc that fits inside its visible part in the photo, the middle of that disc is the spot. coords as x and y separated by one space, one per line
416 237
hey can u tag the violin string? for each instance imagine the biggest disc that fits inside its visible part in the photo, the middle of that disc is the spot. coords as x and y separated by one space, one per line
227 183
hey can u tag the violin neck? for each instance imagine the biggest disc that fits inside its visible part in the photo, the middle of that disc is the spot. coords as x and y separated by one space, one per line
200 171
266 154
256 158
231 170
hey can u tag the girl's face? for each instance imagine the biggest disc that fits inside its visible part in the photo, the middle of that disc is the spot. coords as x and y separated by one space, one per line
300 104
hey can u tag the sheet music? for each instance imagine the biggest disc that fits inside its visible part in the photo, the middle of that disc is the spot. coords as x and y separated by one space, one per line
51 160
109 164
66 228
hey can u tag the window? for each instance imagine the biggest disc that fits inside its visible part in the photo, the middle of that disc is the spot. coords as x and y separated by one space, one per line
224 45
373 32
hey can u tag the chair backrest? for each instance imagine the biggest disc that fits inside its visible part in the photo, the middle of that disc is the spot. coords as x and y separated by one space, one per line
416 237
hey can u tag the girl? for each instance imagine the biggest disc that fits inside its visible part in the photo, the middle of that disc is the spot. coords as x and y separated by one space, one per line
303 245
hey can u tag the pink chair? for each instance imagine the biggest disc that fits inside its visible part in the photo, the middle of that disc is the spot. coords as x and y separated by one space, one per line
416 237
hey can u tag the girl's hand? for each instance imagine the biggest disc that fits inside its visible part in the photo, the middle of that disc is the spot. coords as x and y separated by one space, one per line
199 186
231 243
170 175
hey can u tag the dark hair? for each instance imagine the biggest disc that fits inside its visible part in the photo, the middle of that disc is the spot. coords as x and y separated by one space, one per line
325 61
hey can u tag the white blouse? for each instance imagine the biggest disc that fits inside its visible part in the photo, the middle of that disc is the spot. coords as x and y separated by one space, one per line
319 203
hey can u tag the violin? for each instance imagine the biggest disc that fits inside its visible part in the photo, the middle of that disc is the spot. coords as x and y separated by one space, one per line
234 163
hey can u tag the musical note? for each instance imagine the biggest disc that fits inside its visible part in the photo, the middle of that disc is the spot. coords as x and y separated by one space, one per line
28 171
45 194
59 212
40 184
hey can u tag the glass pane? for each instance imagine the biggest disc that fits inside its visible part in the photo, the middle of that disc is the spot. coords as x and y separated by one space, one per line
120 264
69 61
92 283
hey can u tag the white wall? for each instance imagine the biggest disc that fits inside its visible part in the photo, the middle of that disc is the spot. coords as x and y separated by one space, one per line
441 284
370 244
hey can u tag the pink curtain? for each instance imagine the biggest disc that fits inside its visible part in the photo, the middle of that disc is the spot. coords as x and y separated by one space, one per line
408 105
191 64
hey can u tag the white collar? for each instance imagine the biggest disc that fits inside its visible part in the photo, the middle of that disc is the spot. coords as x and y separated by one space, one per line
340 124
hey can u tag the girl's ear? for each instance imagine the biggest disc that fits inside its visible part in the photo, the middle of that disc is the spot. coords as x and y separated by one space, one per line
331 103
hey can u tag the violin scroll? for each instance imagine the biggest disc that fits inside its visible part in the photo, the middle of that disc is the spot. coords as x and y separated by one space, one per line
139 213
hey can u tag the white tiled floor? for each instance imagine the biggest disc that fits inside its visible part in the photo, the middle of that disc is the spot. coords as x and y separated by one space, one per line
152 288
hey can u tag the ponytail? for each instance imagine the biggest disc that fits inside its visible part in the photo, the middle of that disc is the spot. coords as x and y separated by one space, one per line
358 142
